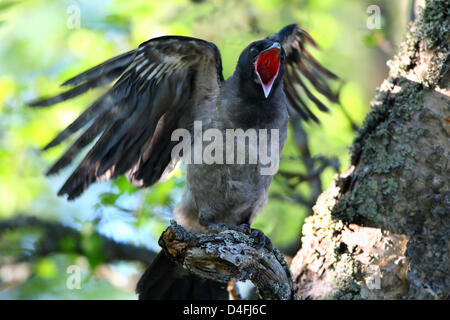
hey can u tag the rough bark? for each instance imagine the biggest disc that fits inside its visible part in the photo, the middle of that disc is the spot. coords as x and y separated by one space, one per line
381 230
230 256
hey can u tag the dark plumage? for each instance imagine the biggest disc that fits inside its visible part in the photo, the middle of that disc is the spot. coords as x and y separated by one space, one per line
170 82
164 280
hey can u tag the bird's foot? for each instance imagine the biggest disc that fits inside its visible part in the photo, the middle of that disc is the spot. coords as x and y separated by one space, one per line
261 240
219 227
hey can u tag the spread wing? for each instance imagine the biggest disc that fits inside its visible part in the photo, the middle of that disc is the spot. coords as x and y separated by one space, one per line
303 71
158 84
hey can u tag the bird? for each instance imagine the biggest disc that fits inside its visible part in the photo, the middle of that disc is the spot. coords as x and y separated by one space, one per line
170 83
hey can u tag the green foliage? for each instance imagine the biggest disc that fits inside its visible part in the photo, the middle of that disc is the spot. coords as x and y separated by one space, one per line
92 245
45 268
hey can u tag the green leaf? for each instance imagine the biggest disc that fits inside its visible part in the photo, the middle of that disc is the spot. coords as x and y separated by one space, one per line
109 198
92 246
46 268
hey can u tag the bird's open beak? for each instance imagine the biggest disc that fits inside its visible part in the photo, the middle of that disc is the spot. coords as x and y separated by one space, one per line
267 66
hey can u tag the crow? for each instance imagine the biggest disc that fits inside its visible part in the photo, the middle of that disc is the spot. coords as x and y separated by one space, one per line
171 83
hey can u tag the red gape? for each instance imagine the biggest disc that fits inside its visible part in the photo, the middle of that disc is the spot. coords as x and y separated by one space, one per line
268 64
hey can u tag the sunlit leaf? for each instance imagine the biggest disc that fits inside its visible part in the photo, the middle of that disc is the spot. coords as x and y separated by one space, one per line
46 268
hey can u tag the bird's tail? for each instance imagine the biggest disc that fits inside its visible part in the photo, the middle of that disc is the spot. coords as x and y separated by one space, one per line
165 280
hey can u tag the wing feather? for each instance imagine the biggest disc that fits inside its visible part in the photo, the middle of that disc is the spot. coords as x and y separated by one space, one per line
303 71
134 119
112 64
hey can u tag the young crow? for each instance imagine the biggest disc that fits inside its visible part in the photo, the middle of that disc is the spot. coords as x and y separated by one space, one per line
171 83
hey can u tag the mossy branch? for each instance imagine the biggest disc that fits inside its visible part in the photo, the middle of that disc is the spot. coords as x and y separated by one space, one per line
230 255
380 230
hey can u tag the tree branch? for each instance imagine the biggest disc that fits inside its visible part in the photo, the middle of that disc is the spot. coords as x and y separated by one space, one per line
381 230
229 255
55 233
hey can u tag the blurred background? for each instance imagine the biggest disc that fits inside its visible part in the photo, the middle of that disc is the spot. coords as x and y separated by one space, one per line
97 246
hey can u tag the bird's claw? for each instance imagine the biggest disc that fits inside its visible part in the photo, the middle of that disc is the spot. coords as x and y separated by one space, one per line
244 228
261 239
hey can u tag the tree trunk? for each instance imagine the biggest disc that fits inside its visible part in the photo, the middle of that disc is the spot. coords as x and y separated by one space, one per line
381 230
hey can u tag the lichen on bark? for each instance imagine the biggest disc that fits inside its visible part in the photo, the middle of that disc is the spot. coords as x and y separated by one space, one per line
230 256
382 229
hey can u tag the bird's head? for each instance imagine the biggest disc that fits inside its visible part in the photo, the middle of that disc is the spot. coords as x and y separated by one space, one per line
261 66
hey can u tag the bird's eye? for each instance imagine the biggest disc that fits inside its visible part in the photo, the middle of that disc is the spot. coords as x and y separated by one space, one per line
253 52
